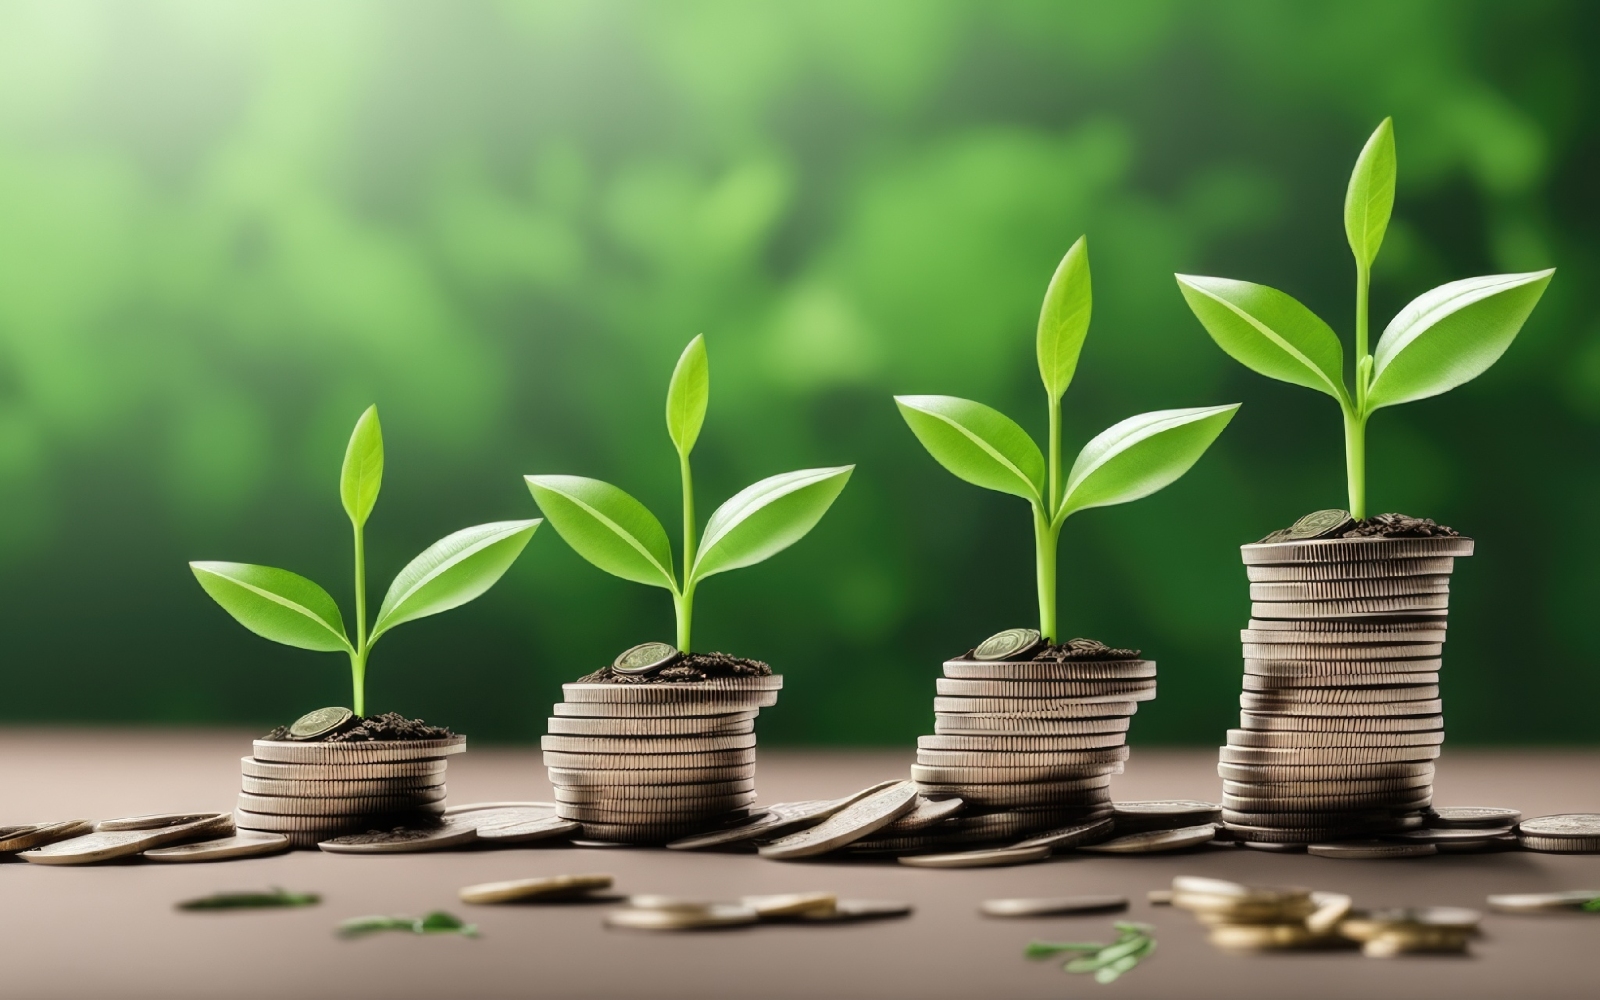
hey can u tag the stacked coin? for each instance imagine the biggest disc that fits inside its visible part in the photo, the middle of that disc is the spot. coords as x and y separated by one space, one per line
1341 719
648 762
1030 745
310 791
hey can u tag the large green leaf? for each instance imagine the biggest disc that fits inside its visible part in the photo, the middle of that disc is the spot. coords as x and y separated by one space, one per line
1064 319
977 443
362 473
765 518
607 527
1451 335
687 395
1141 455
1369 199
1268 332
453 571
275 604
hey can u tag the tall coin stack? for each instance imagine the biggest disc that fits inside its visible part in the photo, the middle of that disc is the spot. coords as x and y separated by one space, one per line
310 791
653 760
1030 744
1341 719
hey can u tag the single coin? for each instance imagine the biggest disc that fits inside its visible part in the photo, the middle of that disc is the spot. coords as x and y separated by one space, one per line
776 820
1103 691
962 724
1005 645
154 821
1364 925
631 793
1036 708
1072 835
1266 937
1292 789
1325 695
1438 835
1299 740
1252 702
1411 604
1369 849
121 842
547 888
1318 772
1325 755
691 725
926 813
790 905
1308 650
1366 570
1325 590
331 826
1053 906
499 811
717 688
720 706
364 752
644 744
656 832
1474 816
568 777
1273 848
1163 814
979 859
243 844
527 831
1343 672
336 789
652 810
1543 902
860 819
645 658
1379 628
275 805
1342 550
1338 804
963 774
1332 907
1559 845
1267 721
1191 886
449 832
999 758
1155 841
846 910
1482 845
624 761
1009 743
1584 826
1375 818
1051 670
715 915
1032 794
1318 524
319 723
1294 685
27 836
382 771
1160 897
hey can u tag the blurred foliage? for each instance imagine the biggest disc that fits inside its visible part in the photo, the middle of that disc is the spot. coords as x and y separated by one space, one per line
226 228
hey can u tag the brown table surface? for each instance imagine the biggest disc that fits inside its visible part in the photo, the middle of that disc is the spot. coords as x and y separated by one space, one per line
111 931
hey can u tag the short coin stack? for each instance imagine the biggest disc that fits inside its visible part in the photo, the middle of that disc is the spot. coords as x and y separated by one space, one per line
313 791
1341 719
1030 744
654 760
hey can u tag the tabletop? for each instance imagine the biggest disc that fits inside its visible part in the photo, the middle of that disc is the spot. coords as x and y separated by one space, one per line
112 930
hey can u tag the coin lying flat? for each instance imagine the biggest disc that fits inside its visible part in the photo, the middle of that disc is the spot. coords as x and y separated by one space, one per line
1317 524
653 809
1266 937
512 822
547 888
107 844
791 905
1155 841
1370 849
979 859
319 723
1341 550
777 819
1289 740
719 688
1005 758
1474 816
280 805
1317 724
965 773
1364 570
1325 590
860 819
242 844
1021 744
30 835
1052 670
1559 845
649 761
575 777
646 744
1584 826
710 916
1342 671
363 752
336 789
379 771
1036 708
1543 902
449 832
1072 835
1054 906
952 724
731 724
1326 755
1251 701
718 706
645 658
1163 814
1441 836
926 813
1293 686
635 793
330 826
1317 693
1005 645
1321 772
846 910
1113 690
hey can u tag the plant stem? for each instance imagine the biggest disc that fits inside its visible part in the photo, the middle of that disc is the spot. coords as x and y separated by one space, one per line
1044 536
1054 497
1363 281
1355 461
684 604
358 659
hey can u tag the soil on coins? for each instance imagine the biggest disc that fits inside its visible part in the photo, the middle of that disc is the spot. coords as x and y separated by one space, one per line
686 669
1074 649
368 729
1399 526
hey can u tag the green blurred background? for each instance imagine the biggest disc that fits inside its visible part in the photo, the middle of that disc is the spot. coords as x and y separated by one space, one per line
225 228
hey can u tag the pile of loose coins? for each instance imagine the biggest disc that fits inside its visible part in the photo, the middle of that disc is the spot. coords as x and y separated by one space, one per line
310 789
648 761
1341 719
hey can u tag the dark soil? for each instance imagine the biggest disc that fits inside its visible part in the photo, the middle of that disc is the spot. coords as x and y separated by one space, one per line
368 729
686 669
1074 649
1399 526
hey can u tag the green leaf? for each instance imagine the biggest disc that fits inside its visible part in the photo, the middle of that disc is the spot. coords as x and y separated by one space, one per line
362 473
977 443
440 922
763 519
1049 949
687 395
452 571
1451 335
275 604
1141 455
1369 199
1064 319
251 900
607 527
1268 332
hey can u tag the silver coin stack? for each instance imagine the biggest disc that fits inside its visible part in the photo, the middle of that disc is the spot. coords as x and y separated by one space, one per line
1029 745
1342 719
648 762
311 792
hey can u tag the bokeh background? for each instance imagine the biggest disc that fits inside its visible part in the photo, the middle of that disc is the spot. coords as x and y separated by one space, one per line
226 228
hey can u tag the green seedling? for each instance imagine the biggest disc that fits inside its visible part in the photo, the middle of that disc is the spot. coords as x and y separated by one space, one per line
288 608
1445 337
1129 460
617 533
1107 961
272 899
437 922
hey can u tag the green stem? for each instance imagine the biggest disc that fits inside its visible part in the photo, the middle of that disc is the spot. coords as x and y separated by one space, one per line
1054 498
684 604
1363 281
358 659
1355 461
1045 535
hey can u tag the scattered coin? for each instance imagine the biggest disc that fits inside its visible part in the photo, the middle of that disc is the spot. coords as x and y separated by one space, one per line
710 916
859 819
547 888
991 858
1474 816
153 821
926 813
792 904
121 842
645 658
450 832
1163 814
1543 902
1051 906
30 835
1005 645
1369 849
776 820
243 844
1074 835
1266 937
1159 897
1155 841
859 909
319 723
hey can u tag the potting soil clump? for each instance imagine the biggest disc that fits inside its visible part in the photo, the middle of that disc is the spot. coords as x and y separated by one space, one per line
687 669
366 729
1399 526
1082 649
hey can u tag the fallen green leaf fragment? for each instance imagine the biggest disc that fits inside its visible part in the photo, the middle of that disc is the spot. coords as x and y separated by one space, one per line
437 922
1592 906
1049 949
1134 942
251 900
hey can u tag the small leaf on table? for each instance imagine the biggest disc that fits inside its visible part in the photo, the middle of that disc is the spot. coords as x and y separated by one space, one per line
251 900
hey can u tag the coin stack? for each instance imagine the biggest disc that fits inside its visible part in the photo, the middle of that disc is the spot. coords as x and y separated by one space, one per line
1341 719
1030 744
313 791
654 760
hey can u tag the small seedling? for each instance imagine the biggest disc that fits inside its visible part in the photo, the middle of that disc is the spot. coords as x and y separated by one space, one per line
1445 337
1134 943
288 608
617 533
1129 460
437 922
272 899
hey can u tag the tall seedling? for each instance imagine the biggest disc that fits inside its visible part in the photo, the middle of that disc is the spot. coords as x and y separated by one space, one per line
288 608
1445 337
617 533
1129 460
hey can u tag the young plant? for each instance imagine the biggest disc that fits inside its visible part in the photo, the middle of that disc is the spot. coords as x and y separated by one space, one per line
617 533
288 608
1445 337
1129 460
